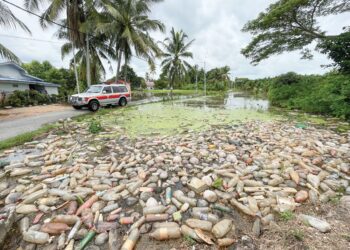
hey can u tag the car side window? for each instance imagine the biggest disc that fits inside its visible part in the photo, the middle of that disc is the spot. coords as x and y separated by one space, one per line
108 90
124 89
115 89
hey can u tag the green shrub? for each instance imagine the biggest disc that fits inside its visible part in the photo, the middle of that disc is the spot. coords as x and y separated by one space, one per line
327 95
28 97
287 215
95 127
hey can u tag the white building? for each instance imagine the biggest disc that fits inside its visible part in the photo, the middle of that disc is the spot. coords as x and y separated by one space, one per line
13 77
150 84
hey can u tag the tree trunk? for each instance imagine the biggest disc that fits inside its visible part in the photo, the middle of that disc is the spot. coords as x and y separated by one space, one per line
125 71
75 70
88 73
118 65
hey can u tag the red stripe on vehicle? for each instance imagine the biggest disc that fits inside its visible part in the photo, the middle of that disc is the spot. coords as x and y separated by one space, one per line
114 96
102 97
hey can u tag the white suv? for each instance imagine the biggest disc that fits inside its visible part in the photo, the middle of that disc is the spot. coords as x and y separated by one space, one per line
101 95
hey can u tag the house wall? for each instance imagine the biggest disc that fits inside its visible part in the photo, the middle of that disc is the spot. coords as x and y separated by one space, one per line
52 90
10 71
9 87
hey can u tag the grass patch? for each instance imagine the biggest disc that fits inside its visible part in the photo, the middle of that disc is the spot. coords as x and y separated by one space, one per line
335 200
26 137
286 216
95 126
189 241
218 183
297 234
346 237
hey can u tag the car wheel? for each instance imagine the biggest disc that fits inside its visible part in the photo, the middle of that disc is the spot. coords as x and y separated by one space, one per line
77 107
123 102
94 105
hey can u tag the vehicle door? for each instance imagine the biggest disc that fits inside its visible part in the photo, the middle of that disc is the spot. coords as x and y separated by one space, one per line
106 93
125 92
116 94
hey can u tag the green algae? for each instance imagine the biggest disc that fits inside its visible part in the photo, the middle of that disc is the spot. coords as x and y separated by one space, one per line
173 118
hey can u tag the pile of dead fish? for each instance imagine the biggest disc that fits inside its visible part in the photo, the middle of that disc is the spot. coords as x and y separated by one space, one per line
80 189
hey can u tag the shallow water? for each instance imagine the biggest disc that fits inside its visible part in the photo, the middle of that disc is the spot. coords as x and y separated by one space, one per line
231 100
188 114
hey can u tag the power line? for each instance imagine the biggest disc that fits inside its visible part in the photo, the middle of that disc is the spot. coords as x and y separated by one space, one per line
30 38
61 25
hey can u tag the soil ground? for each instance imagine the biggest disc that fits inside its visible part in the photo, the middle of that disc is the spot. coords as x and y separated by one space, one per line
15 113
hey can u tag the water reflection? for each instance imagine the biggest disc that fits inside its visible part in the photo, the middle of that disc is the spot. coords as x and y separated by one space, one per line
232 100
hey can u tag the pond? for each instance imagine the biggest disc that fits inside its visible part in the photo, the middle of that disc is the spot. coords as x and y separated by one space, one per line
187 114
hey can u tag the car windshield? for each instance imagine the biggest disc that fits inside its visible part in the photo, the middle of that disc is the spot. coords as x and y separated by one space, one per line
94 89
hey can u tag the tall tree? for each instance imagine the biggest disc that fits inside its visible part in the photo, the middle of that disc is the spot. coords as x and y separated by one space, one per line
75 13
128 24
176 50
99 50
9 20
289 25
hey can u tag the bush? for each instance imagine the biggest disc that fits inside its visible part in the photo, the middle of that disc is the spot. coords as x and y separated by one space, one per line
28 97
328 95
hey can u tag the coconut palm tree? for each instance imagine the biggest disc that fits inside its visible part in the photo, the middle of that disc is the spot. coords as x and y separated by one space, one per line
75 14
128 25
99 50
176 50
8 19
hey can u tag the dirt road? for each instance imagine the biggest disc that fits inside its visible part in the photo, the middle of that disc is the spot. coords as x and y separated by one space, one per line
20 120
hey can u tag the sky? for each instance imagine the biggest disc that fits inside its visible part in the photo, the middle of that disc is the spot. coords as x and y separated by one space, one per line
214 24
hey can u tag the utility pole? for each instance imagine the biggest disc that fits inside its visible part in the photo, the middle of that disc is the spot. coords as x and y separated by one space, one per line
205 81
196 79
75 70
88 75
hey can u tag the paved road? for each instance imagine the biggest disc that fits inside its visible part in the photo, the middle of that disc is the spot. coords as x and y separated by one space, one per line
11 128
15 127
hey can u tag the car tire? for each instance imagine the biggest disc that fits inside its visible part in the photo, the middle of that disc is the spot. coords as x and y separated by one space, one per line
77 107
94 105
123 102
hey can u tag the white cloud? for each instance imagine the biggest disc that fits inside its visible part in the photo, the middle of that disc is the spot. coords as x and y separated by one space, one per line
214 24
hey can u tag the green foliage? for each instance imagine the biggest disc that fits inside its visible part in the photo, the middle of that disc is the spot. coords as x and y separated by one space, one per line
95 126
20 98
297 234
218 183
287 215
176 50
64 77
327 95
128 26
131 76
338 49
189 241
289 25
9 20
163 81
